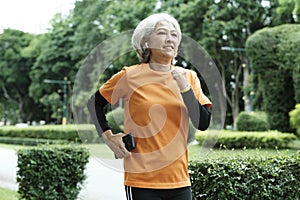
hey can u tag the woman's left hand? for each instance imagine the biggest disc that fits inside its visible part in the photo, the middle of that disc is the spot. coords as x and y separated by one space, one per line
179 76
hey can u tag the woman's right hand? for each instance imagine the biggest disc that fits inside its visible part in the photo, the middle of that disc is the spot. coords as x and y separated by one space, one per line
115 143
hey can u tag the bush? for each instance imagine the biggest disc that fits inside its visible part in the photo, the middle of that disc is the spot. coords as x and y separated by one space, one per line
51 173
270 139
115 120
50 132
29 141
273 55
295 119
246 178
252 121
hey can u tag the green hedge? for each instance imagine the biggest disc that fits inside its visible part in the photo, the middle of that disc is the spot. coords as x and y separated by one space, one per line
29 141
295 119
115 120
46 173
252 121
51 132
235 139
246 178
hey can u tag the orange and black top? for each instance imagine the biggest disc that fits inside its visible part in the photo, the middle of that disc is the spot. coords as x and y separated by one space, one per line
157 113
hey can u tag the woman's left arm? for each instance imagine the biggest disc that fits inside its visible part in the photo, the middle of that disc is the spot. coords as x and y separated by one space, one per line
199 114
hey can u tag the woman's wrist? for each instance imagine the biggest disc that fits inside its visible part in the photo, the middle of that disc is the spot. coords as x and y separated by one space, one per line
184 90
107 134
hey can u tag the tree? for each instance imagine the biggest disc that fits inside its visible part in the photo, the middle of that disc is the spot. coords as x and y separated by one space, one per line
288 11
14 79
55 63
274 58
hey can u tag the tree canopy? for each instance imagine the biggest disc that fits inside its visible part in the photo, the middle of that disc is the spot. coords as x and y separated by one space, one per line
60 53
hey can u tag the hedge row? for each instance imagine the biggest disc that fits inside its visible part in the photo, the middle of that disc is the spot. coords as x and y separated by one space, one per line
229 139
246 178
51 173
52 132
252 121
30 141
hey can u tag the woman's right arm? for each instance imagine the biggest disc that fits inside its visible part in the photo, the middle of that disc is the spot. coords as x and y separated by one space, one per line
96 105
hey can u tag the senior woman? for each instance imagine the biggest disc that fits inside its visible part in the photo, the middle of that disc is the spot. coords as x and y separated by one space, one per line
159 100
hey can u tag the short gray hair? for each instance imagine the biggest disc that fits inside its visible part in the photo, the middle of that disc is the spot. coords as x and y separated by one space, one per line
145 28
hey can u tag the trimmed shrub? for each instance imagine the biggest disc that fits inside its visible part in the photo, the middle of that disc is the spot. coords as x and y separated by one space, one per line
29 141
246 178
295 119
252 121
51 173
115 120
273 55
270 139
50 132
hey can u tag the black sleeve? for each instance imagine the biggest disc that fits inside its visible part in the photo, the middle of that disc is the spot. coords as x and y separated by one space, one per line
199 114
95 106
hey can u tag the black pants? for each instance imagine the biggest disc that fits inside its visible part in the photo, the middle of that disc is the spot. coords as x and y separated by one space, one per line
133 193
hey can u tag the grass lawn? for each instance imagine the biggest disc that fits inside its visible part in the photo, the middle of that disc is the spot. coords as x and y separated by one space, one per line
196 152
6 194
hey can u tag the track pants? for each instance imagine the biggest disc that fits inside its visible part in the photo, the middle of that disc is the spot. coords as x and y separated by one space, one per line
133 193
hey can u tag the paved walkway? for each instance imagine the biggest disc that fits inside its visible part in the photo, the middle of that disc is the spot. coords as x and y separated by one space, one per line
102 183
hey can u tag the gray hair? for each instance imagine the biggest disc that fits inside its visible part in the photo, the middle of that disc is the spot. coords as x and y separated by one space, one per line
143 31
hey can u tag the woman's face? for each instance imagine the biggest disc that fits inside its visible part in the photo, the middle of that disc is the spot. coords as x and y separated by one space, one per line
164 41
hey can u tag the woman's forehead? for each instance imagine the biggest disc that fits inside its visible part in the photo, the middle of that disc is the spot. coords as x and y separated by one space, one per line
165 25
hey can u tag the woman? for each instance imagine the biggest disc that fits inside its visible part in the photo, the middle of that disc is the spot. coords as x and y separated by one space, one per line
159 99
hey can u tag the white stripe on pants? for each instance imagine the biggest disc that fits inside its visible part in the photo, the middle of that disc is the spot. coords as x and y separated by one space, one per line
128 193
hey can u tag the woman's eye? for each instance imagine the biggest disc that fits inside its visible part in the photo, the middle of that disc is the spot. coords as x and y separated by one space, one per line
161 33
174 34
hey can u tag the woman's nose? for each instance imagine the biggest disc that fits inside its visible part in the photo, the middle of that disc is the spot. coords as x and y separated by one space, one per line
169 38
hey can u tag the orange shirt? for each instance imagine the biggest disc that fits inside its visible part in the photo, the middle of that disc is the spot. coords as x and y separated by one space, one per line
155 113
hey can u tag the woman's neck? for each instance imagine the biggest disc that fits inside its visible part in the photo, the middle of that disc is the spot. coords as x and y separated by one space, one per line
160 65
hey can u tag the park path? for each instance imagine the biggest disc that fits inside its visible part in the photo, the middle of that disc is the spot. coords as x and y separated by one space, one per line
102 182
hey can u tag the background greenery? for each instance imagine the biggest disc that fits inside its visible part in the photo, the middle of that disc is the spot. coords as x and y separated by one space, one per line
26 60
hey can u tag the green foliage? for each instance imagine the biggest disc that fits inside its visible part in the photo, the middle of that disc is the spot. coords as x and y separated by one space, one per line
51 173
50 132
62 50
246 178
115 120
254 121
53 62
288 11
273 54
30 141
14 80
270 139
295 119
